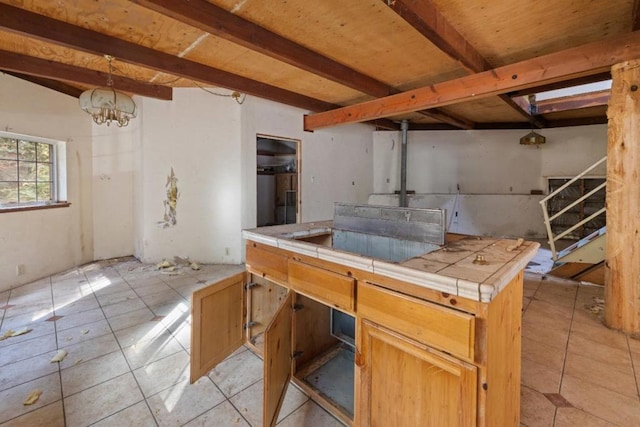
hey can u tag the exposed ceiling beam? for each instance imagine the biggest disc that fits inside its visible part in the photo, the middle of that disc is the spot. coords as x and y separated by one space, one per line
217 21
220 23
578 121
11 61
573 102
61 33
56 85
572 63
424 16
595 78
635 18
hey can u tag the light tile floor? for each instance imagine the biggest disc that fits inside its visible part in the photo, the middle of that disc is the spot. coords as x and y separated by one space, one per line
126 328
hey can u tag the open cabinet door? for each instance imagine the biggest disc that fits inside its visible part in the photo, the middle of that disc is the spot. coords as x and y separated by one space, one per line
217 316
277 361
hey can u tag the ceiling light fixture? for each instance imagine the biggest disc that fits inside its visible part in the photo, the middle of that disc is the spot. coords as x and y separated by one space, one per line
533 138
106 105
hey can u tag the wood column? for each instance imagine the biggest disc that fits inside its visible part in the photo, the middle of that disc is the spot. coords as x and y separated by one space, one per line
622 262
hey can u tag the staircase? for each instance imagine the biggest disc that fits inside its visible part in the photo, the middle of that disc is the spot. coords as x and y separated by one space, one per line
583 260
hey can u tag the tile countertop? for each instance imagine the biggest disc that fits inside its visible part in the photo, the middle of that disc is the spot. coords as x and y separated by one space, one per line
476 268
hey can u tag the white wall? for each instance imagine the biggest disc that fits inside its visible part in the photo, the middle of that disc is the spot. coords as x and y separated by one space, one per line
210 142
336 163
50 240
198 135
493 172
113 180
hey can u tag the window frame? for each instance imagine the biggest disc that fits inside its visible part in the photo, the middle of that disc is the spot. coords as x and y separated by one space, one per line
58 168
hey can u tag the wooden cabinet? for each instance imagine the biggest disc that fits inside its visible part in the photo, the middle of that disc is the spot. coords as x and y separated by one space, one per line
403 383
421 358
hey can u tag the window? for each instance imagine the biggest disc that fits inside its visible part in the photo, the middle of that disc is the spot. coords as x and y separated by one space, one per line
28 171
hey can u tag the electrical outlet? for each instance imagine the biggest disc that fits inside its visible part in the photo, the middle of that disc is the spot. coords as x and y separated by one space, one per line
20 269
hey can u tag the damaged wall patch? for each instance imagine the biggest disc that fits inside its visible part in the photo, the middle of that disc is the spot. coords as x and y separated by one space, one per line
171 202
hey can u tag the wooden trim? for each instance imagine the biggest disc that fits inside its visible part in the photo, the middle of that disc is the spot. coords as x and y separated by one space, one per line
592 58
58 71
573 102
6 209
55 85
40 27
583 121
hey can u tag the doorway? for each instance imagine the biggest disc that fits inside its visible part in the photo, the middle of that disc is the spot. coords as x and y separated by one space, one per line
278 174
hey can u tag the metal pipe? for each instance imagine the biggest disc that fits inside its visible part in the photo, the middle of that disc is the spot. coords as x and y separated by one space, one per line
404 127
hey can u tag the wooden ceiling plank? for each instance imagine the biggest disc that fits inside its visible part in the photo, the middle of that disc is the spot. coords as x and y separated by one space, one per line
572 63
55 85
220 23
595 78
449 118
30 24
635 19
424 16
24 64
573 102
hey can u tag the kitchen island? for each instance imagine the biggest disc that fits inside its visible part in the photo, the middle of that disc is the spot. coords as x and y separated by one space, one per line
432 339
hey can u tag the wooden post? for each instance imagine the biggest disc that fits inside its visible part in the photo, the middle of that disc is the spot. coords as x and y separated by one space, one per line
622 266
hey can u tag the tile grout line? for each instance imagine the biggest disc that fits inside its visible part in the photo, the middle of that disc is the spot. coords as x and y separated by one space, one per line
55 331
566 350
633 366
144 398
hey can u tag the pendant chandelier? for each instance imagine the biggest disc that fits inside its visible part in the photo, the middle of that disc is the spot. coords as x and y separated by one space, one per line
106 105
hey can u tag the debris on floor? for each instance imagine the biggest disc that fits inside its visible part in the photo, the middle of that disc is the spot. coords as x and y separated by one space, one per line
59 357
164 264
11 333
597 306
32 397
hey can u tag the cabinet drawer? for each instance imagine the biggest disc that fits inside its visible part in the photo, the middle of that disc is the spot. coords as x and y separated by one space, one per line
266 263
439 327
330 288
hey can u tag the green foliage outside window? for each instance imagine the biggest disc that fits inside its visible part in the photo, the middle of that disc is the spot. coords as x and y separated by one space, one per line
26 171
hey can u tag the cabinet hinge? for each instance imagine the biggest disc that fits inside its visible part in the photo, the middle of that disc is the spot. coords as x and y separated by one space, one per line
249 325
251 285
297 307
296 354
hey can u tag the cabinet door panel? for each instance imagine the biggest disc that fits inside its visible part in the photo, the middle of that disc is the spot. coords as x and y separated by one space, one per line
217 318
277 361
401 382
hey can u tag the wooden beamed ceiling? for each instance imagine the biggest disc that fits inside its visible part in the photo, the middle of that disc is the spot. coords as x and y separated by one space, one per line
301 48
586 60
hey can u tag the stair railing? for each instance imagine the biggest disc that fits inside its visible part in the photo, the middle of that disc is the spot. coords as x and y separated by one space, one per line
548 219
